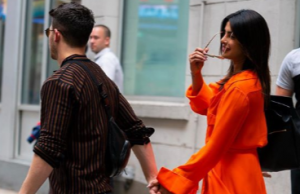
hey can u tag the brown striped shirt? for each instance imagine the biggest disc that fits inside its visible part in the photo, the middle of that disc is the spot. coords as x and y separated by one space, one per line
74 127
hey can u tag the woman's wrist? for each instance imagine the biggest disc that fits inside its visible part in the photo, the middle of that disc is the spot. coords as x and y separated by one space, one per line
195 73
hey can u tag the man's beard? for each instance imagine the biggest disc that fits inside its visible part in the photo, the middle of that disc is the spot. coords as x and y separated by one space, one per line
53 52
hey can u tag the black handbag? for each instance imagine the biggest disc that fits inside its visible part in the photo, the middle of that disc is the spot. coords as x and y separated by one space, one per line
117 147
283 149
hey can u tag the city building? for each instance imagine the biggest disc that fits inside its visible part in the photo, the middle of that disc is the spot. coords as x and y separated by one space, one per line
153 39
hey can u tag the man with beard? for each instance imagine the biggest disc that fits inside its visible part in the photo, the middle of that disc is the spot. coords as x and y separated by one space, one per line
71 147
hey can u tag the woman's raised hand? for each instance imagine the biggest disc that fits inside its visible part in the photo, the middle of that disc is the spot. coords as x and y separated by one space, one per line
197 59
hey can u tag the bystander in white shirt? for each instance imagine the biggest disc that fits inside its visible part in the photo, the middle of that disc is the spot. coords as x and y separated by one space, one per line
110 64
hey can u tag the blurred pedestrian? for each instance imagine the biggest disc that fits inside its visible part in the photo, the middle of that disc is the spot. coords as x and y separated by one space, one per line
105 58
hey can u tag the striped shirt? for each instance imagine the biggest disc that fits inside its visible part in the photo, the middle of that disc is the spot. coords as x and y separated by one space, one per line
74 127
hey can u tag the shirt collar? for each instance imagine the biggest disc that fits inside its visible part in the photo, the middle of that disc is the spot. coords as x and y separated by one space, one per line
101 53
71 57
244 75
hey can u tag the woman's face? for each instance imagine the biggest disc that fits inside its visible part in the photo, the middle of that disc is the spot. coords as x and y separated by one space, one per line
231 47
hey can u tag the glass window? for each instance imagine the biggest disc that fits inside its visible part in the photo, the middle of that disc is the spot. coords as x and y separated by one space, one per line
33 51
2 29
154 50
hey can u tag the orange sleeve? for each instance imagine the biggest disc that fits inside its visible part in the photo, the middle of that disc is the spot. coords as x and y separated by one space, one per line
232 112
201 101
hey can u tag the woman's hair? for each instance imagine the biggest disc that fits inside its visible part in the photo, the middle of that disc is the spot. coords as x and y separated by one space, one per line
252 31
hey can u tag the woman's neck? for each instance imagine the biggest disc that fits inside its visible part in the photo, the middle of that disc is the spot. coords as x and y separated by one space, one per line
238 65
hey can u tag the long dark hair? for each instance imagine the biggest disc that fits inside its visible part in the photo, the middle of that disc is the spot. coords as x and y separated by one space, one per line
252 31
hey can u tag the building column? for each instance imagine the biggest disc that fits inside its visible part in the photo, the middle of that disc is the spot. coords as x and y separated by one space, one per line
10 77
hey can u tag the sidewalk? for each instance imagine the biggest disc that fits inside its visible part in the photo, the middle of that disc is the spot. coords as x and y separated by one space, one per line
2 191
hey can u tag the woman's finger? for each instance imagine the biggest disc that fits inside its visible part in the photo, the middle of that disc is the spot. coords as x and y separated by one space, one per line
205 50
266 174
154 189
197 62
197 55
163 190
198 59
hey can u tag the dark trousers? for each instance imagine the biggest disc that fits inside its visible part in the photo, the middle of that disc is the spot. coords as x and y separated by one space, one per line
295 180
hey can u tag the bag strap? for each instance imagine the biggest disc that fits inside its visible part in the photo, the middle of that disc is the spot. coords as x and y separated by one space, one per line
296 121
104 97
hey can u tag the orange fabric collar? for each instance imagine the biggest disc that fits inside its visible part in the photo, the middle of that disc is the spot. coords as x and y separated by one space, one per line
244 75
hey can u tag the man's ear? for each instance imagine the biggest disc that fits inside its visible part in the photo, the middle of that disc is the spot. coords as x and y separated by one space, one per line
107 41
57 35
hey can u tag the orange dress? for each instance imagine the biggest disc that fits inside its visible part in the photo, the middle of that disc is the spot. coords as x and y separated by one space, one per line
228 163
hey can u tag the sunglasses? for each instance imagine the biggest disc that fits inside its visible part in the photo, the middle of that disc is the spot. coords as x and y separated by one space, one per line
210 55
47 32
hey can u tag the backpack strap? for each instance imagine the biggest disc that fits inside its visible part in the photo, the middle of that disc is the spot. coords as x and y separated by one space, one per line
104 97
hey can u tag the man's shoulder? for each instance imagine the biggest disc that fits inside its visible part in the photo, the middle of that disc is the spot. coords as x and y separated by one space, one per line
294 51
109 55
54 77
65 74
108 58
291 62
293 56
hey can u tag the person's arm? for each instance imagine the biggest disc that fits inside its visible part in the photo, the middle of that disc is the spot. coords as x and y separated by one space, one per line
145 155
138 137
284 82
283 92
56 111
234 108
38 173
199 93
201 101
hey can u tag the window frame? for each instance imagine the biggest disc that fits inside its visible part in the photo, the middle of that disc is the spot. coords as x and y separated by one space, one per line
11 68
297 28
44 51
28 107
2 61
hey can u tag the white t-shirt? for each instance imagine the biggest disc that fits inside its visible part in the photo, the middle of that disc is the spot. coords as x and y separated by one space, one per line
290 68
110 64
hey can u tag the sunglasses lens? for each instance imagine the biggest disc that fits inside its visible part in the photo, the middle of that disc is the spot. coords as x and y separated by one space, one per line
47 32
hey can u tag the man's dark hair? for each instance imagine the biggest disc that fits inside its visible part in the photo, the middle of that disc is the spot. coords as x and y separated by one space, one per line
106 29
74 21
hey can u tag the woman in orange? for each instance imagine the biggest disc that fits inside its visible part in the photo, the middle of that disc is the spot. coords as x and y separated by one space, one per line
228 163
